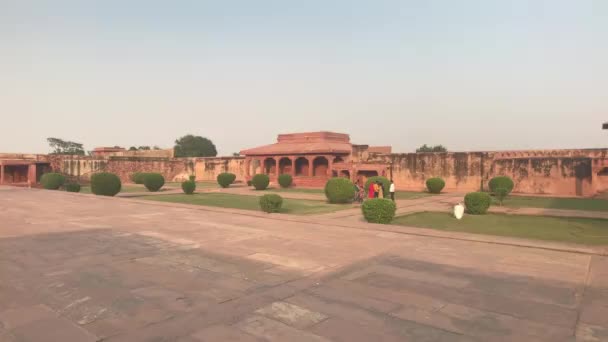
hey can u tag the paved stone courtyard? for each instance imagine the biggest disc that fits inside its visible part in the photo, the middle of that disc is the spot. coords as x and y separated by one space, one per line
82 268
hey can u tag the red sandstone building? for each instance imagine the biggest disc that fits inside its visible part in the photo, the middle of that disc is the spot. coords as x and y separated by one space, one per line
312 158
20 171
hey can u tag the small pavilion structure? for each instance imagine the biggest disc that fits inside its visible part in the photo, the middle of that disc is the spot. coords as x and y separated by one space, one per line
23 172
310 158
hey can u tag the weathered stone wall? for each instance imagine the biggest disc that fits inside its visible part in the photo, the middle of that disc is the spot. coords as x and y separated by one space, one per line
556 172
582 172
207 169
173 169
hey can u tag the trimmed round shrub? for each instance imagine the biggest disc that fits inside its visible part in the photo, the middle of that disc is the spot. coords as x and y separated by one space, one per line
271 203
72 187
225 179
192 178
503 182
285 180
435 185
138 177
379 210
52 181
339 190
154 181
260 181
188 187
477 203
105 184
501 194
386 184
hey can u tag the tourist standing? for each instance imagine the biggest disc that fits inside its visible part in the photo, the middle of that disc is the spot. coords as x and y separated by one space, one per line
380 190
371 193
392 190
376 190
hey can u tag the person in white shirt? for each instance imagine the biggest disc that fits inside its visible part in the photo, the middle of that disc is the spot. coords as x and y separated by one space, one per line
392 190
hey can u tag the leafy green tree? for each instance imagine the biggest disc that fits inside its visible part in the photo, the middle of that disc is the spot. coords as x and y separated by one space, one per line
132 148
144 148
60 146
194 146
426 148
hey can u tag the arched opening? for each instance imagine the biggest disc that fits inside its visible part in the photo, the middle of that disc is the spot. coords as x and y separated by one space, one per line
270 166
302 166
603 172
345 174
320 166
285 166
255 167
334 173
338 159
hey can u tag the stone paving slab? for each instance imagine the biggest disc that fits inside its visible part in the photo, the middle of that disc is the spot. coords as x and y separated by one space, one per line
85 269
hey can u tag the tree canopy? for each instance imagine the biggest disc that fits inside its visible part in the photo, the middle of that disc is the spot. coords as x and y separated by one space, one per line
194 146
436 148
60 146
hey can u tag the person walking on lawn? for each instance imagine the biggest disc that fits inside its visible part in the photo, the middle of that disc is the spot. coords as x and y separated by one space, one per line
392 190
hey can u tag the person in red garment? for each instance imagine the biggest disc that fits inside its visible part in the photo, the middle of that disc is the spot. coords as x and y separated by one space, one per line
371 193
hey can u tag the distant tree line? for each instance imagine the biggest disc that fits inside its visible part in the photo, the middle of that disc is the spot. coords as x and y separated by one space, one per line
186 146
436 148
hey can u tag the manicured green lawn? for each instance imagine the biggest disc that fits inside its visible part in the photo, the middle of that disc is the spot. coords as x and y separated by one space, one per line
124 188
572 230
411 194
301 190
591 204
290 206
199 185
398 194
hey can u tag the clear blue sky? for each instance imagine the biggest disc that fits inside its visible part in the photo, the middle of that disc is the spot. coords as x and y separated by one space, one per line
471 75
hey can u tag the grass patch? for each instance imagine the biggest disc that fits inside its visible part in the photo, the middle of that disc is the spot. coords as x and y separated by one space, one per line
300 190
125 188
290 206
411 194
398 194
562 229
199 185
591 204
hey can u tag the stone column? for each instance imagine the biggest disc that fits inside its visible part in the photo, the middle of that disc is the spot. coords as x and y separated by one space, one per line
1 174
31 174
277 169
330 166
310 165
293 166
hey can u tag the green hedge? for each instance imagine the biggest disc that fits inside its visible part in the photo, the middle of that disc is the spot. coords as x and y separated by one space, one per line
105 184
260 181
192 178
386 184
52 181
154 181
435 185
339 190
477 203
225 179
271 203
188 187
503 182
138 177
285 180
379 210
72 187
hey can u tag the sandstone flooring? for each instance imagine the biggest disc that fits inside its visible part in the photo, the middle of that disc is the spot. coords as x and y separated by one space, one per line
83 268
